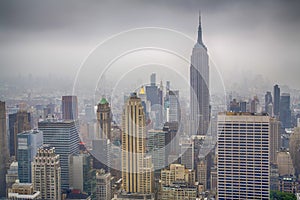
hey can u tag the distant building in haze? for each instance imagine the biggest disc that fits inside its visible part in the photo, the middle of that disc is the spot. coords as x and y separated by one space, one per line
276 95
69 108
285 114
4 154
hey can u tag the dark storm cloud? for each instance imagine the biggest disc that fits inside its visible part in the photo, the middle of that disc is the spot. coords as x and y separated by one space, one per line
55 36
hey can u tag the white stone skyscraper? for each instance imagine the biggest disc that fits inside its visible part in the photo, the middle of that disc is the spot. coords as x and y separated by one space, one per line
199 87
46 173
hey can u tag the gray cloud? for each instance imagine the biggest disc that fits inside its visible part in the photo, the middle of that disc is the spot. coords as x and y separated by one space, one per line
41 37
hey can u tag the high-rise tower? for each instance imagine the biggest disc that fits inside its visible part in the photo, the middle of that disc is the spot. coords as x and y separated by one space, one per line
69 108
46 173
137 170
103 120
3 149
63 135
276 96
18 122
199 89
243 156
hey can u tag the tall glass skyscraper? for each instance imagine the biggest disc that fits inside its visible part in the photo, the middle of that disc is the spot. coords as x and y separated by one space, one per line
28 144
199 87
63 135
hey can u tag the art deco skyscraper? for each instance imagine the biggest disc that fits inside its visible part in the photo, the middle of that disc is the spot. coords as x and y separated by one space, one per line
199 87
3 149
46 173
103 120
137 170
243 156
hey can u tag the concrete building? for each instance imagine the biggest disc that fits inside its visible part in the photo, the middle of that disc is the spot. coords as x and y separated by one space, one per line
202 173
23 191
103 185
294 150
77 171
12 174
174 107
285 163
28 144
243 156
177 173
187 153
275 139
4 154
46 171
178 192
156 141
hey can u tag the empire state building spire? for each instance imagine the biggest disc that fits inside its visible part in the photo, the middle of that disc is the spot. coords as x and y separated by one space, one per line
199 40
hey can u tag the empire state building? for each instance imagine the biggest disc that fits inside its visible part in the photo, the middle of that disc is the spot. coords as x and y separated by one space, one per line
199 87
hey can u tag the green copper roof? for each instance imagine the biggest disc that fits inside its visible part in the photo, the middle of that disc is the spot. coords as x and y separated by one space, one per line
103 101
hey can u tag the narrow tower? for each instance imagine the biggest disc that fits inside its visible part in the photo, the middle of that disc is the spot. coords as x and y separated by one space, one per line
199 87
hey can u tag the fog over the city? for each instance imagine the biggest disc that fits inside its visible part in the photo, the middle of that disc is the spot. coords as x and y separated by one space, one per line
250 41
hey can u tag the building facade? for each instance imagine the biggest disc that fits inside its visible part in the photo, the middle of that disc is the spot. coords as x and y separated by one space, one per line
46 173
28 144
63 135
135 167
18 122
69 108
243 156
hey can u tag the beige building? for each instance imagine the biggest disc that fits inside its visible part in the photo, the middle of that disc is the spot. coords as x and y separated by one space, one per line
137 175
202 173
177 173
294 149
23 191
46 173
103 185
178 192
285 163
243 156
275 140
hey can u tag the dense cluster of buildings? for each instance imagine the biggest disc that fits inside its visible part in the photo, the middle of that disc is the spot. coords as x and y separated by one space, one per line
75 150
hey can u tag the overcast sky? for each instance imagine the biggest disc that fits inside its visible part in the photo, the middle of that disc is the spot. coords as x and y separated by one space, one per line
244 37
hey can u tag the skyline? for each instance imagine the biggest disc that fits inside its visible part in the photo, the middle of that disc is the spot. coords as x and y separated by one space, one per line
244 38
